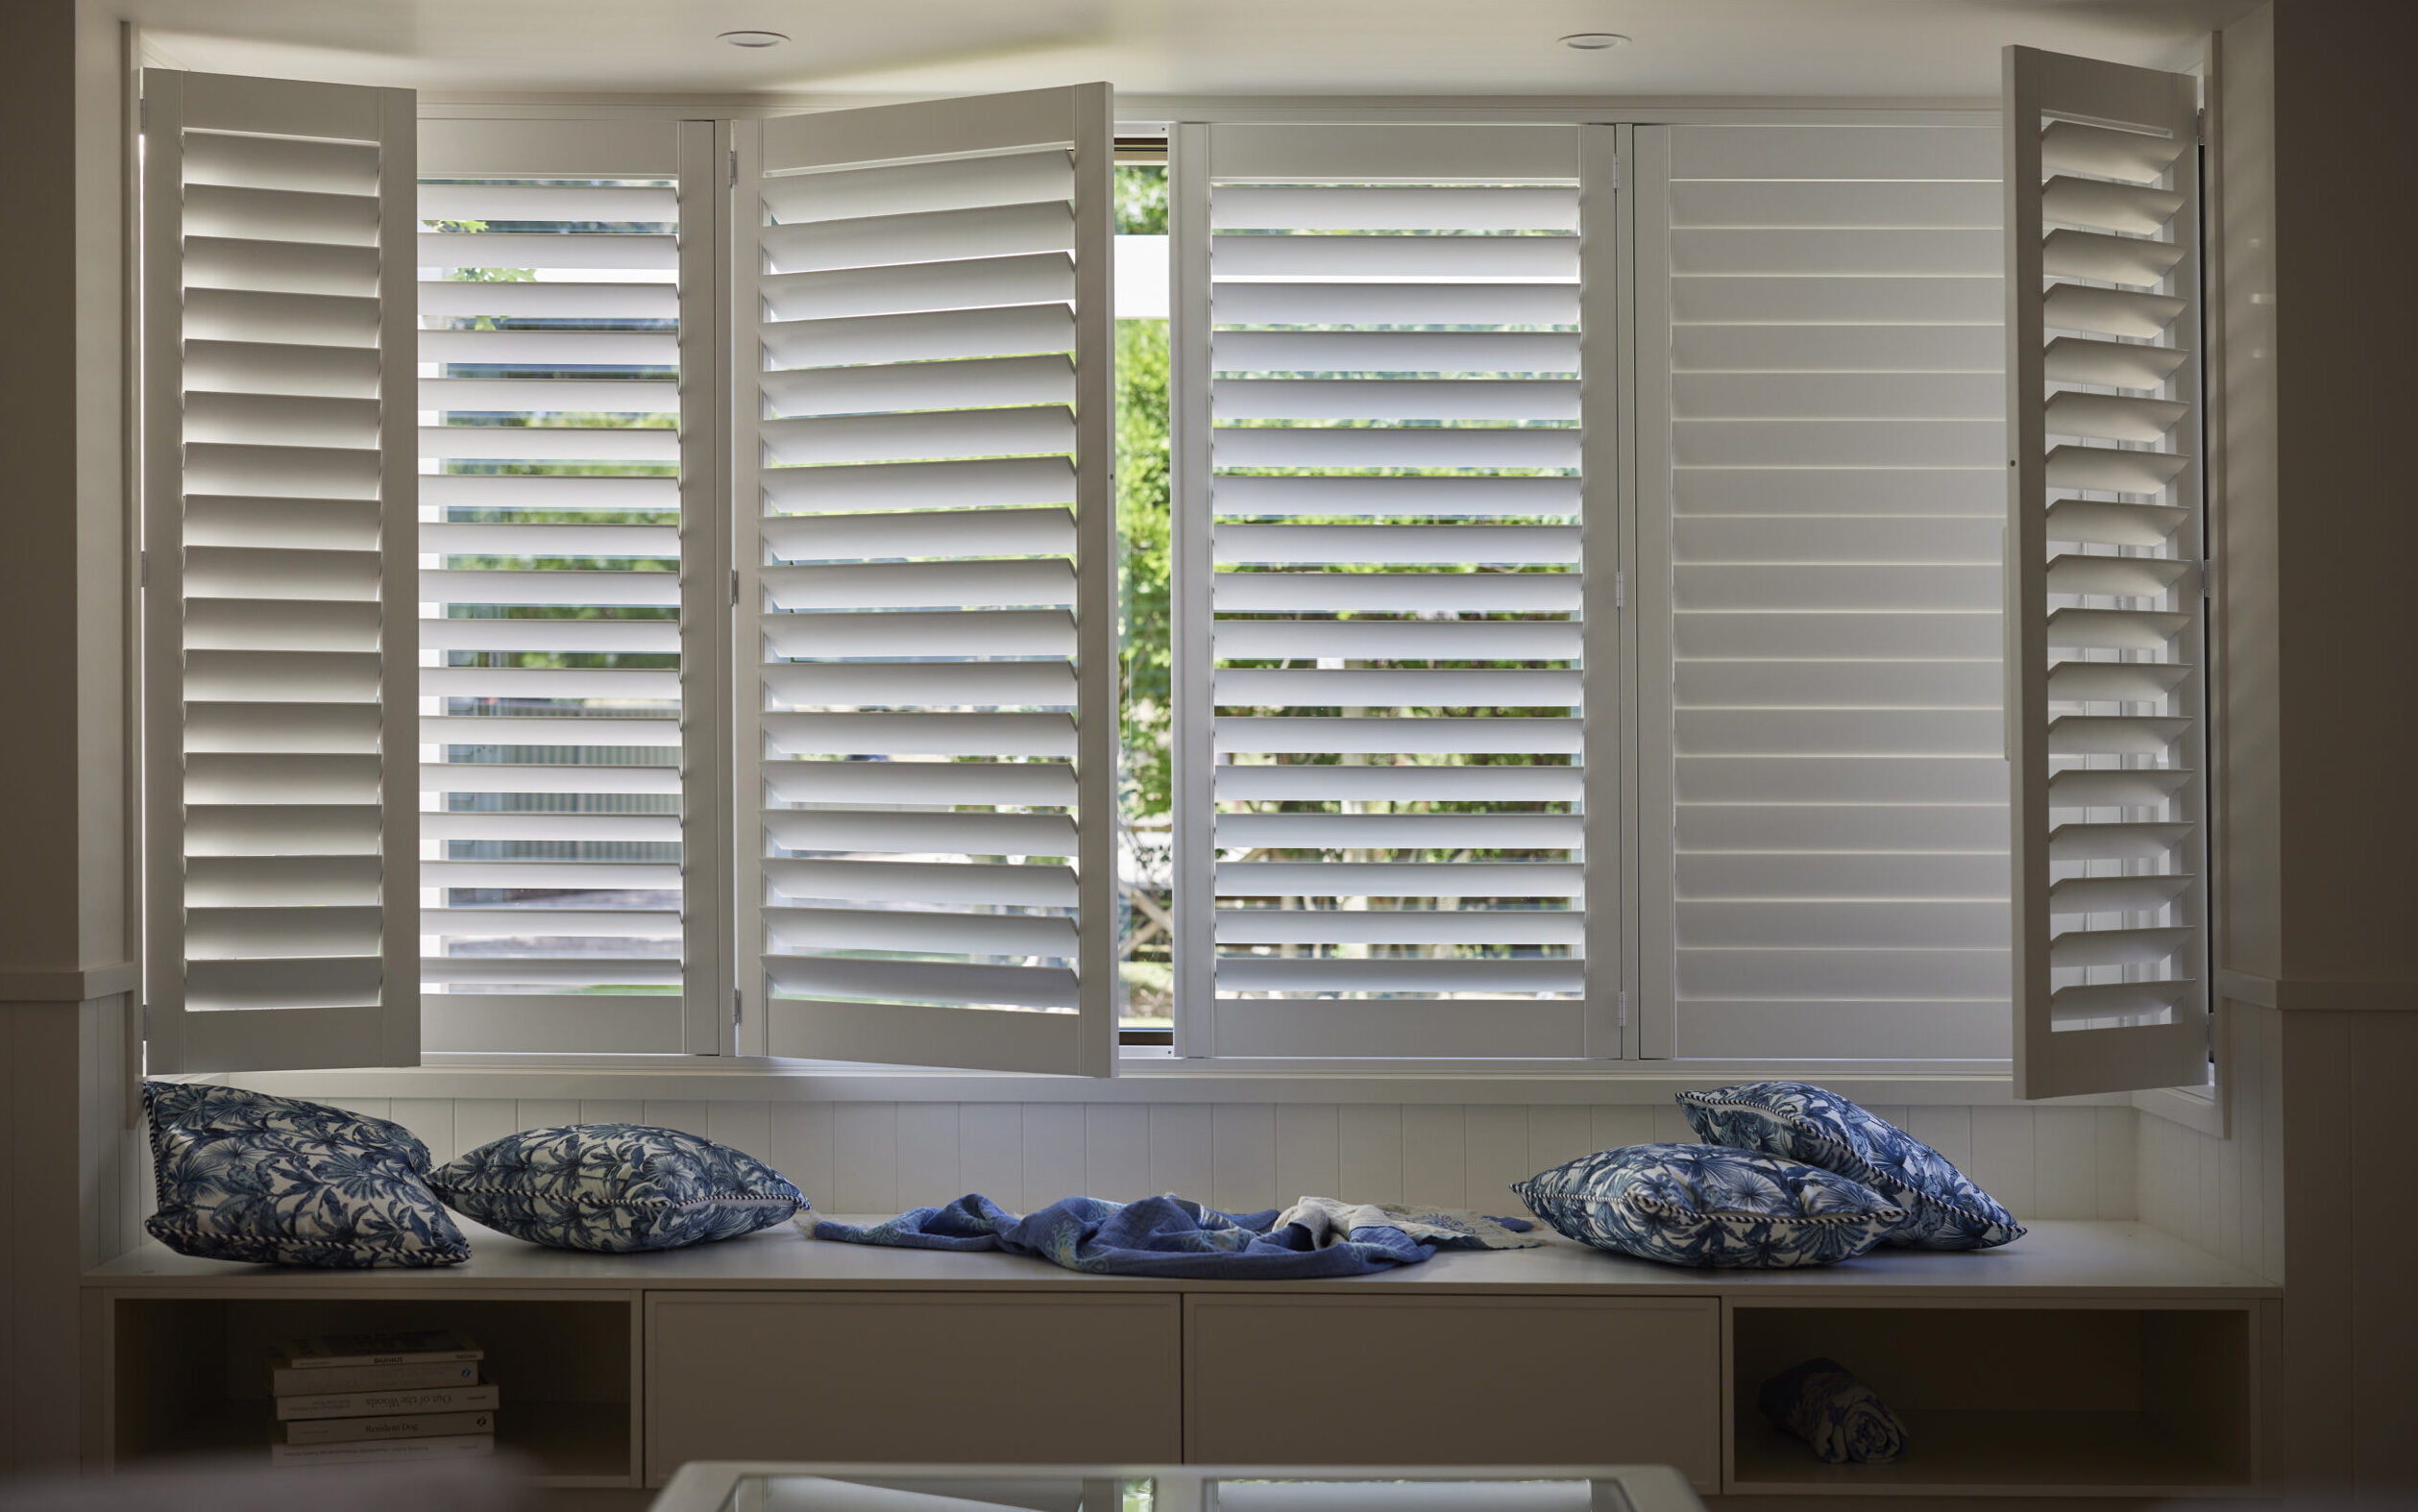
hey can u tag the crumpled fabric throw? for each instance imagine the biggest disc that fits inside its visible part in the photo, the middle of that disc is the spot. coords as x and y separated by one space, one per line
1171 1236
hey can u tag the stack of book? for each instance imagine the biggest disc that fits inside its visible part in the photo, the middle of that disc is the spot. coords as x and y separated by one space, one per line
350 1398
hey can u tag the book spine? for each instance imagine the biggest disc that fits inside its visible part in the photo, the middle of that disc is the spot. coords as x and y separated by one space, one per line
456 1446
355 1430
387 1404
356 1361
288 1382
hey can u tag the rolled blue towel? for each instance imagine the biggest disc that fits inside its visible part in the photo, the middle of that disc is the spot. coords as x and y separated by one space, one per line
1842 1417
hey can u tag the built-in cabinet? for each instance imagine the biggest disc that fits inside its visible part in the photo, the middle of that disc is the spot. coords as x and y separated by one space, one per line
2089 1359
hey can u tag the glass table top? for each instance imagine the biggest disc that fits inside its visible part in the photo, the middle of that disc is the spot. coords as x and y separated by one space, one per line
1199 1488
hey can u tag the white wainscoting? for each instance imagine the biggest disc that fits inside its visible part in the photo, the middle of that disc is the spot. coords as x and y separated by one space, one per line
879 1158
2225 1194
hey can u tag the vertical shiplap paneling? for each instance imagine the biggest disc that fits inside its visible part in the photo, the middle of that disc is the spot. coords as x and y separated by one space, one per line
928 1156
1621 1124
2115 1149
687 1117
1369 1152
1946 1129
1435 1154
1496 1142
1308 1151
2002 1157
991 1156
1243 1157
2065 1174
1180 1161
612 1111
864 1157
1053 1153
1116 1150
803 1149
745 1126
2263 1078
545 1112
482 1120
431 1118
2047 1162
1558 1134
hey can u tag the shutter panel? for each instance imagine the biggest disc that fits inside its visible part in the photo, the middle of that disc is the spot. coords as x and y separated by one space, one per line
929 571
278 502
557 260
1385 625
1823 828
2105 614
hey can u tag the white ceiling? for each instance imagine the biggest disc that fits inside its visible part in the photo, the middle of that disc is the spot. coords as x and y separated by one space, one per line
1931 48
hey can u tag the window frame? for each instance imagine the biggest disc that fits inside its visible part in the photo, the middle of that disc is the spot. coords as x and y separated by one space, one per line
1151 1066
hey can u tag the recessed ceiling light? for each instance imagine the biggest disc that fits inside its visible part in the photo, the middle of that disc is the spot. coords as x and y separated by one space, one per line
753 38
1593 41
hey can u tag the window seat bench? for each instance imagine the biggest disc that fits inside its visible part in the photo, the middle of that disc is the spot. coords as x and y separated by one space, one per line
2089 1357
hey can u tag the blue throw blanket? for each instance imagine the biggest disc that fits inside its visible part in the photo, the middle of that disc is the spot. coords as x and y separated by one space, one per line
1166 1236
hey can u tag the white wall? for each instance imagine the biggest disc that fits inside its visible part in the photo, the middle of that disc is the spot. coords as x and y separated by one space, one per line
883 1156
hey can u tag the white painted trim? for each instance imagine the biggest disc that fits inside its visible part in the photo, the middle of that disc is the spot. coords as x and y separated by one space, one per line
1309 109
2199 1108
674 1078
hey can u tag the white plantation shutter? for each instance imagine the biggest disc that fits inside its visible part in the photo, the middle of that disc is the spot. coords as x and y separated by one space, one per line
1824 831
1389 641
276 519
926 550
566 518
2105 623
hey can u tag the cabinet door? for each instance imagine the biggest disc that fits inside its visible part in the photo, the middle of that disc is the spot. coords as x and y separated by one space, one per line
1468 1380
937 1376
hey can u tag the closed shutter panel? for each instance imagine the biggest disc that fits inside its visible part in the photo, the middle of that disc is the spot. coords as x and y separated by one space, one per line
2106 613
276 519
1823 833
931 727
556 270
1390 655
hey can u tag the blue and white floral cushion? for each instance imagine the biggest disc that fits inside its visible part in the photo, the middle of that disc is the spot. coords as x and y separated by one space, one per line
243 1175
1944 1210
1844 1419
1705 1205
616 1187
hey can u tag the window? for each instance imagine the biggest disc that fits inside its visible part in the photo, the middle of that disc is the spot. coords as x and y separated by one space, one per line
552 499
1520 593
1390 786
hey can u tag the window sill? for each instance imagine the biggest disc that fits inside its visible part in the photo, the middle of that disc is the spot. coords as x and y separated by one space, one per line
2198 1109
1142 1079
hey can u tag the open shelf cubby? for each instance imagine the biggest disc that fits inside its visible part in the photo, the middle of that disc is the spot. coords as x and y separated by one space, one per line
2151 1399
191 1377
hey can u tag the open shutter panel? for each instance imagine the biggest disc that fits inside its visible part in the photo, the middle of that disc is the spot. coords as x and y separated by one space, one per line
278 510
930 583
2105 605
1388 716
554 550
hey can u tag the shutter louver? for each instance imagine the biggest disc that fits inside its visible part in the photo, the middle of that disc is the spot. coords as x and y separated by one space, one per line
277 518
2106 620
1397 650
933 729
551 588
1823 836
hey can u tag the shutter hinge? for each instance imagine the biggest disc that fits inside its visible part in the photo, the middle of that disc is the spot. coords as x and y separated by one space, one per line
142 113
738 1003
733 159
142 569
734 588
1620 172
1624 1000
2200 126
2207 578
1620 590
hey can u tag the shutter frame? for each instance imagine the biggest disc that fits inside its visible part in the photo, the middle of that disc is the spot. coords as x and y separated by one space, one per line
2088 104
381 1026
886 139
